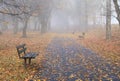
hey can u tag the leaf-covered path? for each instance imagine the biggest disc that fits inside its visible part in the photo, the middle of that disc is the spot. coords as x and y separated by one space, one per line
68 61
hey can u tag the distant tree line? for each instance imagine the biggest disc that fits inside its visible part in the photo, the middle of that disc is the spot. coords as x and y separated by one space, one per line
21 11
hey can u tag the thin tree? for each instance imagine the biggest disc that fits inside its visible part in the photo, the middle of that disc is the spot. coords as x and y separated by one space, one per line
108 19
117 9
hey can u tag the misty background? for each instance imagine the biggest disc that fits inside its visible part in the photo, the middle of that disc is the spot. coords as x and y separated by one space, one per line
54 15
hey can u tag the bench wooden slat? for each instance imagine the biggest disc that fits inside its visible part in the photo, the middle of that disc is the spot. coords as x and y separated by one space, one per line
30 55
22 50
20 46
33 53
27 56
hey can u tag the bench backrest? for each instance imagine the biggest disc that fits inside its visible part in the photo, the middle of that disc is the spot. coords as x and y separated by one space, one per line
21 49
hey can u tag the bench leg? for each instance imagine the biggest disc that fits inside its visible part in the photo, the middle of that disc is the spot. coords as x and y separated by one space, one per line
25 62
29 61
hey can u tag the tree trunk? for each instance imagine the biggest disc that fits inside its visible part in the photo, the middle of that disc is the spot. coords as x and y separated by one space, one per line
119 24
43 28
108 19
0 32
36 22
43 25
25 28
118 18
48 24
86 16
35 28
15 25
117 9
39 24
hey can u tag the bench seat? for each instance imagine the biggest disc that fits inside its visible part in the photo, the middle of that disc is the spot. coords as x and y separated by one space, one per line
30 55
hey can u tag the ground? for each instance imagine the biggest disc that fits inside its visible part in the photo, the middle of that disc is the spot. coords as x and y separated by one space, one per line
68 61
11 67
62 57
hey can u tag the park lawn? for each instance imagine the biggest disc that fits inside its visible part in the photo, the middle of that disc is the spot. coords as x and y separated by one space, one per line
108 49
11 67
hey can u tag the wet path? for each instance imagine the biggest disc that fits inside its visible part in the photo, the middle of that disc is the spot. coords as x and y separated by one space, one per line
68 61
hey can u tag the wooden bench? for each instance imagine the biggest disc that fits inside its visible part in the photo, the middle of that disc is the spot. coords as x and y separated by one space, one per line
82 36
21 49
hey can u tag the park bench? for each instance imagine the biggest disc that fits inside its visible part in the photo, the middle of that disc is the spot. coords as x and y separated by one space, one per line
82 36
21 49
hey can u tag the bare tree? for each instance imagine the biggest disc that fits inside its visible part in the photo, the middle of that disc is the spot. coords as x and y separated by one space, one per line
21 9
108 19
15 24
117 9
45 14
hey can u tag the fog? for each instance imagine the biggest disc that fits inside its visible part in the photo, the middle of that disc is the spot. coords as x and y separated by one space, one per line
59 40
54 15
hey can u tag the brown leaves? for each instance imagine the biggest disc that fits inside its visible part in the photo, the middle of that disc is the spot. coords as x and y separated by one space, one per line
95 40
11 67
